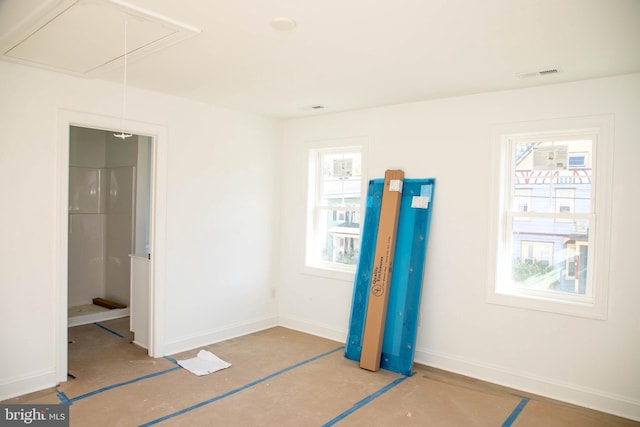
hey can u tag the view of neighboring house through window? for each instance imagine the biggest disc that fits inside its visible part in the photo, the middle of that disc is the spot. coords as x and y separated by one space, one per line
552 207
555 199
335 208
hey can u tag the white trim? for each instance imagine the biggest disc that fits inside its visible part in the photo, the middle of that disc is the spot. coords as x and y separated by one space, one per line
160 134
330 272
543 386
29 383
602 127
312 149
100 316
313 328
212 336
520 380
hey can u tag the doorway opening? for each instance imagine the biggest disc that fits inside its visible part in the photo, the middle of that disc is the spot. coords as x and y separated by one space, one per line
111 204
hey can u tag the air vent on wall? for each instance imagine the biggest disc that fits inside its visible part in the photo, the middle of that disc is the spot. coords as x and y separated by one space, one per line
85 36
538 73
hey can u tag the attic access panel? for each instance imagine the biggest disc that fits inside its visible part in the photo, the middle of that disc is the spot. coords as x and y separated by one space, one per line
87 36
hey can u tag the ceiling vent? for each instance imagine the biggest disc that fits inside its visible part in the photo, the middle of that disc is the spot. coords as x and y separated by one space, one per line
86 36
538 73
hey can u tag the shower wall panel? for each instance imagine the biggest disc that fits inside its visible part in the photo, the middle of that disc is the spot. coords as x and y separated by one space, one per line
87 228
120 220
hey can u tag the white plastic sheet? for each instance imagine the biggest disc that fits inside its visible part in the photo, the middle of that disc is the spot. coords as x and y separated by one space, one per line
204 363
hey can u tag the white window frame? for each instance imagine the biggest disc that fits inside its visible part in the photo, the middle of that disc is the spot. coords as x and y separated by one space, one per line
594 303
311 264
572 251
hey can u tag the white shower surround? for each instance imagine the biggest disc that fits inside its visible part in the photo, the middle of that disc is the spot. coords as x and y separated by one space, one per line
101 222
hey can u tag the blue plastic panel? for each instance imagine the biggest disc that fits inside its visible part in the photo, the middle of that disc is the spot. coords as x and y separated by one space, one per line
398 345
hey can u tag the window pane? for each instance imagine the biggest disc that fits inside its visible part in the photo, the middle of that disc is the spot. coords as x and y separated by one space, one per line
334 226
339 231
548 254
553 178
340 179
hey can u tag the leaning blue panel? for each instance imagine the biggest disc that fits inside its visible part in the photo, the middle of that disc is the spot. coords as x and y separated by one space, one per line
403 310
398 346
360 299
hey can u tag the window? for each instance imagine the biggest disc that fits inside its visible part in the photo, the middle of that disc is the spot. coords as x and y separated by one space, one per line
551 214
578 160
565 199
522 201
335 214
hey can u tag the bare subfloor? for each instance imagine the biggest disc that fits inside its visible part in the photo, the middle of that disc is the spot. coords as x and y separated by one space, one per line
281 377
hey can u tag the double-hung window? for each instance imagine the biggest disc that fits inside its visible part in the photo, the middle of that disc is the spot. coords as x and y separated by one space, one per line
335 208
551 212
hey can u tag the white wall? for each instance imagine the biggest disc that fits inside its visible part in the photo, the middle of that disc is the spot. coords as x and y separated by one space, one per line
589 362
223 219
221 205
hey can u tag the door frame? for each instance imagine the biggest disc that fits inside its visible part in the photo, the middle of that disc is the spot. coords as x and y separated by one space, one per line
157 230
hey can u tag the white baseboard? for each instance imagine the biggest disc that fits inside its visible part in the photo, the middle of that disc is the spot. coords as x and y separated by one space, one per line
519 380
30 383
100 316
316 329
205 338
141 345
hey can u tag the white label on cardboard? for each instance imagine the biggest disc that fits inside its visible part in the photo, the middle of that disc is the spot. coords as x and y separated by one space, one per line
420 202
395 185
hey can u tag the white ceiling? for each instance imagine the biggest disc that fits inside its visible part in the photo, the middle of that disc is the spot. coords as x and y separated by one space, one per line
343 54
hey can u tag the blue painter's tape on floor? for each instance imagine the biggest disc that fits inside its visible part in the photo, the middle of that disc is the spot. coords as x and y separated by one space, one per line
64 399
365 401
239 389
109 330
111 387
171 359
516 412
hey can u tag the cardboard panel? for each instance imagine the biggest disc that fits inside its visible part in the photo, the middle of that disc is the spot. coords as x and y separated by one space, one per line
382 270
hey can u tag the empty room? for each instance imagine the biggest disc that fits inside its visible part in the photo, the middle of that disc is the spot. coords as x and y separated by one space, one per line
342 213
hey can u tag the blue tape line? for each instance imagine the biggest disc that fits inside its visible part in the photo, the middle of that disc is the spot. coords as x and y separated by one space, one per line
516 412
365 401
238 390
109 330
111 387
63 398
171 359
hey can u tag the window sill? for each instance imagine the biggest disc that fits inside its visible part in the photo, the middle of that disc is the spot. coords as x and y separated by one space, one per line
549 305
344 275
